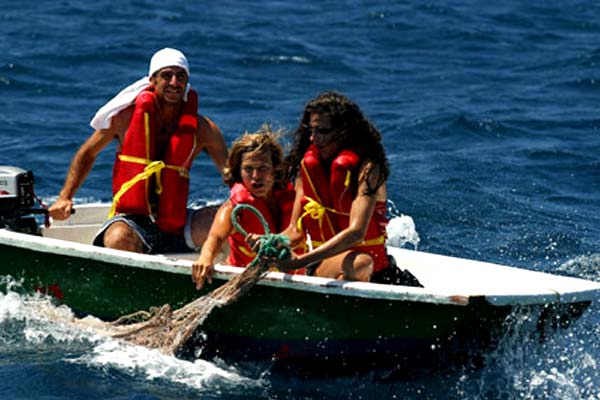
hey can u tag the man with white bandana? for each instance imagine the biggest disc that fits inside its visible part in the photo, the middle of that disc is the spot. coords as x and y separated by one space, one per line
157 118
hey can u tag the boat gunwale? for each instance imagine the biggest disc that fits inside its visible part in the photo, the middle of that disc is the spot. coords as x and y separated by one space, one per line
172 264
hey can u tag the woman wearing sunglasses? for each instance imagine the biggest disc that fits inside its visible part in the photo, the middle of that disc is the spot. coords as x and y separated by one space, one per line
339 168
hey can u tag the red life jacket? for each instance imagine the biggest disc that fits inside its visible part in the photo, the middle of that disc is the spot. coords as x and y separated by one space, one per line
137 172
328 197
241 254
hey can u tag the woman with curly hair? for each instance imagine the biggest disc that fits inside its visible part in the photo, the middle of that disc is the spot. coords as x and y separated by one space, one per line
340 171
254 172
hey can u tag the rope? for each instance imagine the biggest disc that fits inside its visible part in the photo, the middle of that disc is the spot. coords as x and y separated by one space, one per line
271 245
167 330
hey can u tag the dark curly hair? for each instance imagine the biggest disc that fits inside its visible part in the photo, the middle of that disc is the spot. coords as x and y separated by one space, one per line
352 129
263 140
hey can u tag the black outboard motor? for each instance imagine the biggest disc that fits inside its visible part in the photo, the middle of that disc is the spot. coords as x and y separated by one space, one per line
17 200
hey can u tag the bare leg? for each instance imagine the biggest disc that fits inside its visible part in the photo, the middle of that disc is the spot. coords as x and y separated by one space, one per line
121 236
202 219
349 265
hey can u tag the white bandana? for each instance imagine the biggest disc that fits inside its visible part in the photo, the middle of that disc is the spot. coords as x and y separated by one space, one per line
166 57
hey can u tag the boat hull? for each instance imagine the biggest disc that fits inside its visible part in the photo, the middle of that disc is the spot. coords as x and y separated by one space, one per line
274 322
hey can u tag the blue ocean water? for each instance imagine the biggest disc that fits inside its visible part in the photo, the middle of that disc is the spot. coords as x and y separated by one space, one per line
489 114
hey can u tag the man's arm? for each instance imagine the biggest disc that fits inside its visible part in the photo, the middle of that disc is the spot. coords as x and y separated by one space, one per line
211 139
83 161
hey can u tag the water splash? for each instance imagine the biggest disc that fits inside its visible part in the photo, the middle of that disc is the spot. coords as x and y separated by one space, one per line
154 365
563 366
401 230
35 321
585 267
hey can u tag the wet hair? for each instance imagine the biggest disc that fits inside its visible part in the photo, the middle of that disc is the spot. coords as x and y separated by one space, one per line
262 141
352 131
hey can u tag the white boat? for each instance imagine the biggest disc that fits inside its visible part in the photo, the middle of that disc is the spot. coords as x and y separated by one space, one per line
462 309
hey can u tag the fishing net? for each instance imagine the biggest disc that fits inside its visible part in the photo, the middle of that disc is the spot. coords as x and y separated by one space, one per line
168 330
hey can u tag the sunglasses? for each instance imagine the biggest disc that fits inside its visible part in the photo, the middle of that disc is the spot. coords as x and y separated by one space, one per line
168 75
320 131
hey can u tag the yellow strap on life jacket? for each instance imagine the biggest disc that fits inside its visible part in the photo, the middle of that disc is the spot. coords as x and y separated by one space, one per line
315 210
319 213
348 178
152 168
183 171
247 252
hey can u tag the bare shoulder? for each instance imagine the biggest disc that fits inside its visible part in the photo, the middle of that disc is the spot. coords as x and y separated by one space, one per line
120 122
208 131
206 123
223 216
368 170
211 140
226 207
369 177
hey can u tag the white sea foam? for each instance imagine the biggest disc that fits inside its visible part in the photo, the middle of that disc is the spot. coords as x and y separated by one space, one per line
153 364
561 367
40 322
401 230
585 267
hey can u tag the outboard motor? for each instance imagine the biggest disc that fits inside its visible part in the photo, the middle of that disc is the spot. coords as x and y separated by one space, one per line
17 200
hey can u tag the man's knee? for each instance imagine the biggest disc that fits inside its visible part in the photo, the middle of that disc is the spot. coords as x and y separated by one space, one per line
121 236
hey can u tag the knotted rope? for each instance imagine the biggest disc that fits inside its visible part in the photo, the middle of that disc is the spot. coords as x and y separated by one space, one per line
168 330
271 245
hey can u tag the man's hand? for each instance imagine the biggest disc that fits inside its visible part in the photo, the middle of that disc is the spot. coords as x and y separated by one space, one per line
61 209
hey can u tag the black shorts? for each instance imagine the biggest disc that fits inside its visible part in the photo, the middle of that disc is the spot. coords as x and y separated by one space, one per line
393 275
155 240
